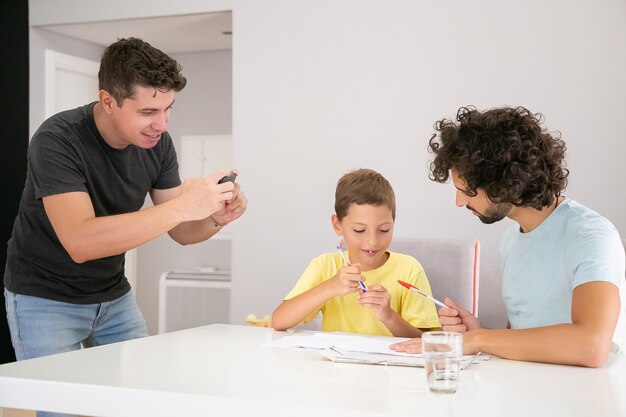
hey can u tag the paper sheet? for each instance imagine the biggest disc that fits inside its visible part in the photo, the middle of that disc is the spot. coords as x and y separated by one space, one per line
346 341
352 348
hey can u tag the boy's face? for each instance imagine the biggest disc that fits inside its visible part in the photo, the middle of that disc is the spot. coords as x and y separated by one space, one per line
142 119
367 231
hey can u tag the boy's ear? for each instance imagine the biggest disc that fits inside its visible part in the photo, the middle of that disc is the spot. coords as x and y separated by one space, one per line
336 224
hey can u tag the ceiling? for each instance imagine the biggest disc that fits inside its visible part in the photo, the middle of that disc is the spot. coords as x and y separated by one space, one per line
171 34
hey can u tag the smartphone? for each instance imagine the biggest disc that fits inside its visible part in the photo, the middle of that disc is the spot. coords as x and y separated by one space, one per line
228 178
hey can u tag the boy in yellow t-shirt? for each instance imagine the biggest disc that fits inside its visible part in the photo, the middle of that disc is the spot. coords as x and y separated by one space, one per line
365 211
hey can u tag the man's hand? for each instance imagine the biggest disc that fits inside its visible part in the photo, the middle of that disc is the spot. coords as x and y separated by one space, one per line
457 319
233 208
201 197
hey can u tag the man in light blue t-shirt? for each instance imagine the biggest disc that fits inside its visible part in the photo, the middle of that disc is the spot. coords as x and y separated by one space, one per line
562 263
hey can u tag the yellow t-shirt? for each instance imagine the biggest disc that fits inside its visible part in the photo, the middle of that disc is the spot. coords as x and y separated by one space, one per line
345 314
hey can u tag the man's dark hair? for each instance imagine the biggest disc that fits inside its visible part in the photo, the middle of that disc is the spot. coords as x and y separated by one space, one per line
504 151
132 62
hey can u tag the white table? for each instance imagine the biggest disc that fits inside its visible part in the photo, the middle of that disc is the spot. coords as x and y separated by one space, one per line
222 370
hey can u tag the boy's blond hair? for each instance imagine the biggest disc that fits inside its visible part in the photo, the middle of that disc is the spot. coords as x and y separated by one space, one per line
363 186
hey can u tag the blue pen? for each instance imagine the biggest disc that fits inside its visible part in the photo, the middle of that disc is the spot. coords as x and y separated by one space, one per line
343 255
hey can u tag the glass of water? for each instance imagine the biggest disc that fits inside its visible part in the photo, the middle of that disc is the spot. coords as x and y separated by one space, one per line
442 357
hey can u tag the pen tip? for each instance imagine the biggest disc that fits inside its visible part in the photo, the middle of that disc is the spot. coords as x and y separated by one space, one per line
404 284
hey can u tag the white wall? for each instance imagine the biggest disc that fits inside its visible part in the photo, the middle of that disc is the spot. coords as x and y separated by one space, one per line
323 87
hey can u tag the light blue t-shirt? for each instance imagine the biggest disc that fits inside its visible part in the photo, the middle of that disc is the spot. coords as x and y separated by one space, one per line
541 268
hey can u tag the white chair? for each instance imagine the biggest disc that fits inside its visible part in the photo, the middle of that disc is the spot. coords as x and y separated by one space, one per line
452 266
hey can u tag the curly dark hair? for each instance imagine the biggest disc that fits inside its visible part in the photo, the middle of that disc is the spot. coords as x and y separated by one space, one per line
131 62
504 151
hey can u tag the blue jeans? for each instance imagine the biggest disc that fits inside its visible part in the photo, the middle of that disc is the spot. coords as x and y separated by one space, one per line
42 327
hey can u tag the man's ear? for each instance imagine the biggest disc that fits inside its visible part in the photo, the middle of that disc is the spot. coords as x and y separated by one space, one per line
334 220
106 101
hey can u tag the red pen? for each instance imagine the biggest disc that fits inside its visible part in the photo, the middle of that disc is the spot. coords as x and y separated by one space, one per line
423 294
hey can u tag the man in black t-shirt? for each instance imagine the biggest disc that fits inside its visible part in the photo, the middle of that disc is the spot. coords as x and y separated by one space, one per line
89 170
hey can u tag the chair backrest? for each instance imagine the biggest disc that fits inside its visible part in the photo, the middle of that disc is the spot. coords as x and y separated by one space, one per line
452 266
624 243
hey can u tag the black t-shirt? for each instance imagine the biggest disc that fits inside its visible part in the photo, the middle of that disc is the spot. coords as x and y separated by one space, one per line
67 154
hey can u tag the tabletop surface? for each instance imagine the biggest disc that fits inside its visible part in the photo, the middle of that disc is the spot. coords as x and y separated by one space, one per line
225 370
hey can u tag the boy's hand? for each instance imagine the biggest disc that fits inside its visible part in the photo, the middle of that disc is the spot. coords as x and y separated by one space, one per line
377 298
346 281
457 319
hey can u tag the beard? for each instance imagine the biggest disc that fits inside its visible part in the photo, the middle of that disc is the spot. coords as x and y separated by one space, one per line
494 213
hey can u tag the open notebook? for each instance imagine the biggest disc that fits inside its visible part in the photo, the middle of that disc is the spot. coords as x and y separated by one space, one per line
353 348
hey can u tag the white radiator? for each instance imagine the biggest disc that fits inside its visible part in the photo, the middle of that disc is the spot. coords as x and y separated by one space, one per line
192 298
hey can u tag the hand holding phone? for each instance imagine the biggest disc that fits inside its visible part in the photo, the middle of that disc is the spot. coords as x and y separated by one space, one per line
228 178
